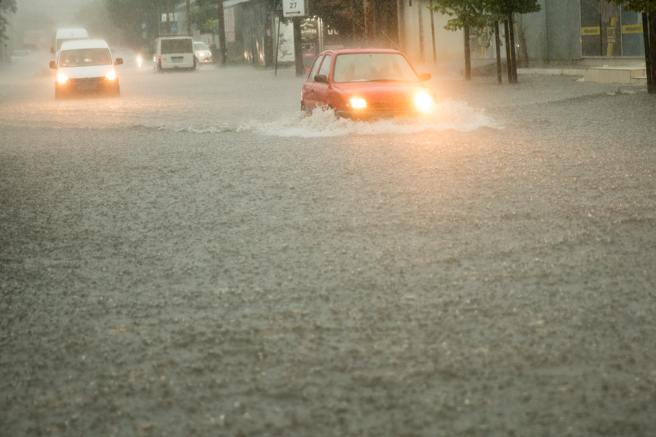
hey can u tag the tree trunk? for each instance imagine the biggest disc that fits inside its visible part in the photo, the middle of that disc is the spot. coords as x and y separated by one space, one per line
652 51
354 38
522 42
645 37
369 15
421 33
497 43
467 53
298 49
513 57
433 31
508 63
399 24
222 35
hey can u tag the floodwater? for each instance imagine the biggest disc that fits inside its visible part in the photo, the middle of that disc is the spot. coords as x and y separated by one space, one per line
198 257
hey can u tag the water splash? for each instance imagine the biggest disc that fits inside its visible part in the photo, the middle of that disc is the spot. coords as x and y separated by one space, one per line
449 114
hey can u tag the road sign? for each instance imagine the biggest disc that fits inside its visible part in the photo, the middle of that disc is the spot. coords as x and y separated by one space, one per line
293 8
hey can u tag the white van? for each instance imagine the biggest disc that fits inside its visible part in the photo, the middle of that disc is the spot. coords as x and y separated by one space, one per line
85 66
174 52
62 35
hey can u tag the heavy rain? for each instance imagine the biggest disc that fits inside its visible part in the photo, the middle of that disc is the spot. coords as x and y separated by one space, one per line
185 251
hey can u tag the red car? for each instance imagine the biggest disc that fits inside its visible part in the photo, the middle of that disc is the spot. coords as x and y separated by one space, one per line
366 83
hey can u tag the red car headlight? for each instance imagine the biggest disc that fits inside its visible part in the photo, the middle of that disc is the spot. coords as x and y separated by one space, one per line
357 103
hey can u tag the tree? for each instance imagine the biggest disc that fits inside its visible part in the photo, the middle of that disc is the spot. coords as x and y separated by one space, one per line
6 7
505 9
93 17
648 10
467 14
129 15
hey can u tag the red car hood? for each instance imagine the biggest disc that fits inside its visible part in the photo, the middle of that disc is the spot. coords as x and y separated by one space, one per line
384 96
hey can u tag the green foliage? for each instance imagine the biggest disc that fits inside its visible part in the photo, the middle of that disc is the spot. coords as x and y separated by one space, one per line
471 12
507 7
637 5
129 14
93 17
205 18
6 7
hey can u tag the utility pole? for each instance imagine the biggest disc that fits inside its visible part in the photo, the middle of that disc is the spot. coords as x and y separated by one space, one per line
298 48
222 35
168 17
369 18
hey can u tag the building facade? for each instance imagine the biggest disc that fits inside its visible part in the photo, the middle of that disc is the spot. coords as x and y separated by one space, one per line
564 31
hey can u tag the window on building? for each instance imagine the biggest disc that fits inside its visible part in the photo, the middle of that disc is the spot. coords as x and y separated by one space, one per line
607 30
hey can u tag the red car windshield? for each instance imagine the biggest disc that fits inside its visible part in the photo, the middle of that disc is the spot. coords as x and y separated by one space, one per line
373 67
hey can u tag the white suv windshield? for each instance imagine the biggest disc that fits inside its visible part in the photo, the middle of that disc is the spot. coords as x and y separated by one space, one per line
372 67
85 57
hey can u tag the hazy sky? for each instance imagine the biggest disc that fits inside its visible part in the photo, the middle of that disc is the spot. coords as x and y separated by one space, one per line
61 11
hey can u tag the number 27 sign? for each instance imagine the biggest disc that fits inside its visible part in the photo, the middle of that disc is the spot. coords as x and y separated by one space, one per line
293 8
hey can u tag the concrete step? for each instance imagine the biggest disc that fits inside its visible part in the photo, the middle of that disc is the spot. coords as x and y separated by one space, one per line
613 74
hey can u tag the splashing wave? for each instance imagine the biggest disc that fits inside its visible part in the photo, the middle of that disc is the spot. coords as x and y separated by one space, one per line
322 123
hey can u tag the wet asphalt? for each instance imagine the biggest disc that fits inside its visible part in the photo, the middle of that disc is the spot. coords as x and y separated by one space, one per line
197 258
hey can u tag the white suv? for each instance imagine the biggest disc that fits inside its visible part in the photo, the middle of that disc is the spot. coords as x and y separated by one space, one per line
85 66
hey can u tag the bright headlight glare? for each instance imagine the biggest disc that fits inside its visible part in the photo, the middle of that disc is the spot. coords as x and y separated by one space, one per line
358 103
62 78
423 101
111 75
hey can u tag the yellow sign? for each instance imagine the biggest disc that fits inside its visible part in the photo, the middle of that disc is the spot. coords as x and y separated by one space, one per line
590 31
610 32
632 28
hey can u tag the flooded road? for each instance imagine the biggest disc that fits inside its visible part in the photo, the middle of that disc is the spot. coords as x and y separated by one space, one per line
196 257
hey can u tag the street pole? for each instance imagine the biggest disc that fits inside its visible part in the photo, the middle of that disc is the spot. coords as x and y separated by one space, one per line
369 22
168 16
298 48
222 35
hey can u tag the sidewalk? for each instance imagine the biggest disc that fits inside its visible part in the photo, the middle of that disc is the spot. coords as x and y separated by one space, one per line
603 74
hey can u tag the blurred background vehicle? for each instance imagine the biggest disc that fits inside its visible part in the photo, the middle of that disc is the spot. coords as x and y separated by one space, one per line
202 52
130 58
174 53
